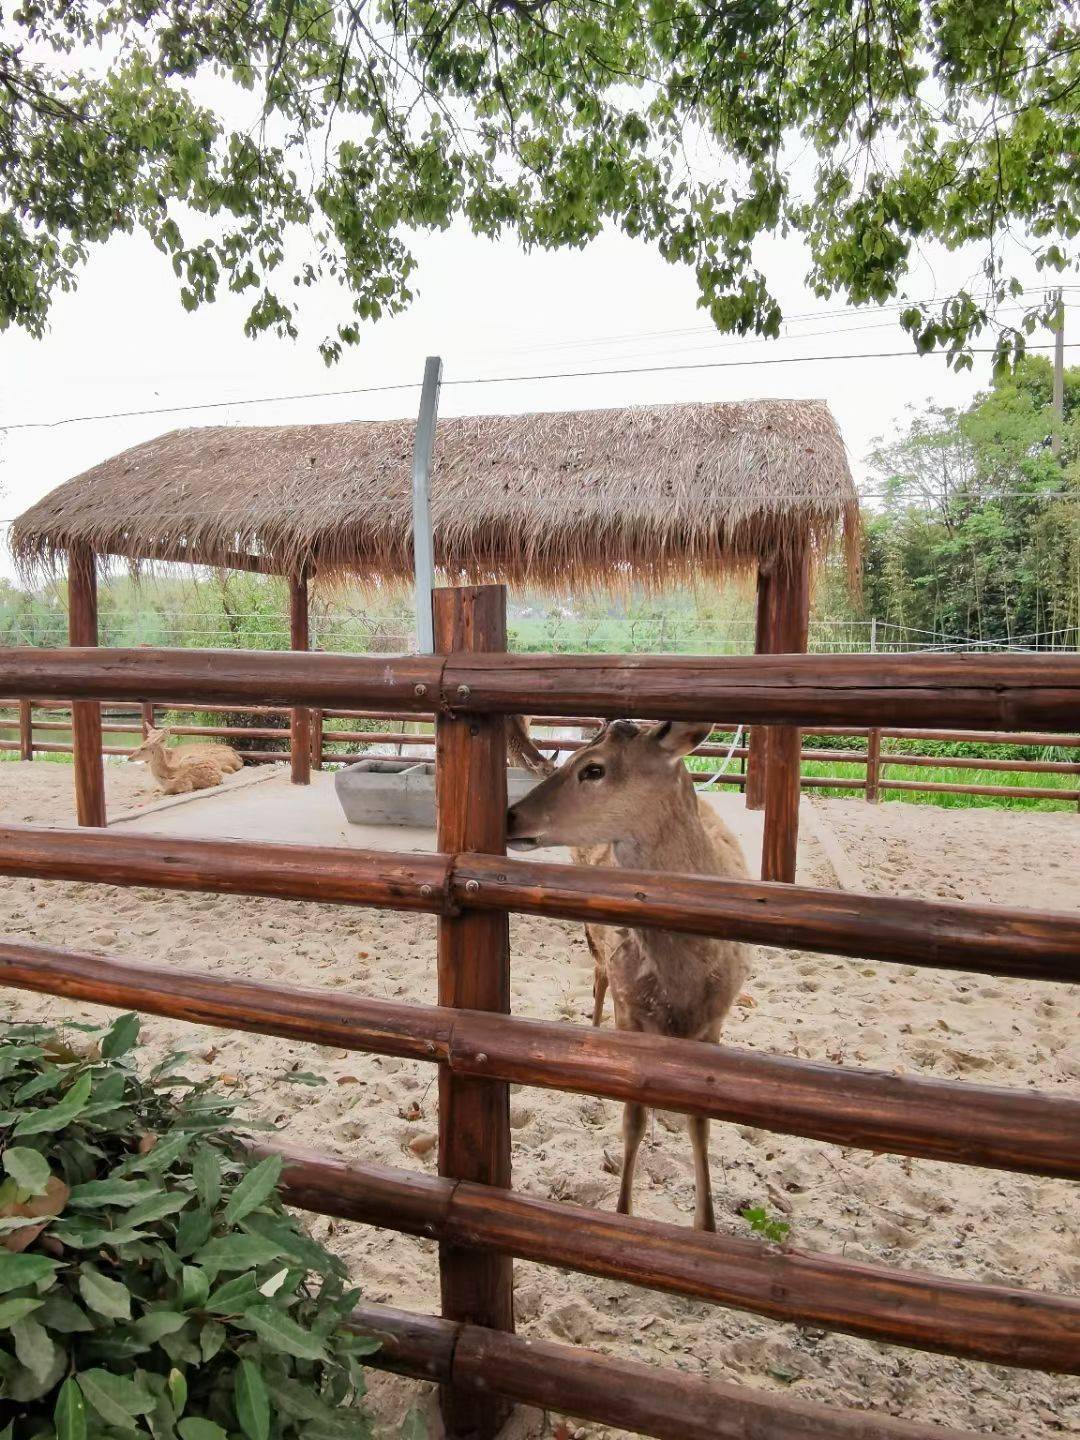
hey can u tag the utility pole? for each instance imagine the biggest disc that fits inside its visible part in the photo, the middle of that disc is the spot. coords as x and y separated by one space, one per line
1059 376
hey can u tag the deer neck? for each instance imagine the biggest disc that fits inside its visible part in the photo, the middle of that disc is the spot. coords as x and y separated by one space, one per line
159 763
676 841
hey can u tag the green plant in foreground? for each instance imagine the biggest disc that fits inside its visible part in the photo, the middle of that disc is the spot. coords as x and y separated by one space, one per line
151 1281
763 1224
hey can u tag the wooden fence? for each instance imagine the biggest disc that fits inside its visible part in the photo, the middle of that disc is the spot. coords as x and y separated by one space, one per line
470 1207
324 746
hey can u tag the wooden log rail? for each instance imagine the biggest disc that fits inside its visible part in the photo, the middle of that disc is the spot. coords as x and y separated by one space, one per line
570 1380
982 692
975 1321
955 935
963 1123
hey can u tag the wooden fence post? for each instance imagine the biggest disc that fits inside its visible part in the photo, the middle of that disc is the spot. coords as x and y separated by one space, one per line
148 715
873 764
474 974
300 728
26 731
764 643
783 770
317 738
85 714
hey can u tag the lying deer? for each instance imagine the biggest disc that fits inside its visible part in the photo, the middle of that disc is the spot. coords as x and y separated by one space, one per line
629 790
181 769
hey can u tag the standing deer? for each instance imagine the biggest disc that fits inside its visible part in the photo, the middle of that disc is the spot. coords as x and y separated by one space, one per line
181 769
629 790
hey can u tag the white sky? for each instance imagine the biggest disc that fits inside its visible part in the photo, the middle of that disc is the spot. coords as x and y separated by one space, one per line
123 342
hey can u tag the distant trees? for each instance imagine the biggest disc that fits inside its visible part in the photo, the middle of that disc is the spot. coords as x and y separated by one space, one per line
979 533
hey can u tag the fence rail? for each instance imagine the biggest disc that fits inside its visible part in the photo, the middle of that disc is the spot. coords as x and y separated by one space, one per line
324 743
470 1207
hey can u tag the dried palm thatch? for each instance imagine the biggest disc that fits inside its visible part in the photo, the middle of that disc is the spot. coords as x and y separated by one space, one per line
653 496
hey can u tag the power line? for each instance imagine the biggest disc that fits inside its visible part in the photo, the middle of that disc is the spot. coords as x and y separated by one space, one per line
498 380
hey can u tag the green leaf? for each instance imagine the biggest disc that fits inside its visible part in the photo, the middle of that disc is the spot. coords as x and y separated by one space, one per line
156 1323
28 1168
193 1231
413 1426
69 1415
252 1402
112 1192
34 1347
17 1308
156 1208
165 1153
55 1117
107 1297
122 1036
206 1168
16 1271
111 1396
211 1339
237 1252
234 1296
253 1189
195 1429
178 1390
276 1329
63 1316
194 1287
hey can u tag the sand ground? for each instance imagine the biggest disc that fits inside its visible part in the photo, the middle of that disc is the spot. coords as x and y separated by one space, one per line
946 1219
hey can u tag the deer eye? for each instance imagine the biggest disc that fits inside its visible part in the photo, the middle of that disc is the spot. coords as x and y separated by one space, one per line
592 772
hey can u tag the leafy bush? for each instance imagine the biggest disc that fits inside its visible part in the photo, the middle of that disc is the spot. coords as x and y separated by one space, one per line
151 1281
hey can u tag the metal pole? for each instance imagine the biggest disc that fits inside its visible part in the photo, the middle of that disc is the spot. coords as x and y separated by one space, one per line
873 633
423 546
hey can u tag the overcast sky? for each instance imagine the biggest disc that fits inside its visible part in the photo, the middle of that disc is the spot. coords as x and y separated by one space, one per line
122 342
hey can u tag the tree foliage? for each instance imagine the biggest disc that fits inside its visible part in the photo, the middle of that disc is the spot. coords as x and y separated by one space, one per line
980 531
264 146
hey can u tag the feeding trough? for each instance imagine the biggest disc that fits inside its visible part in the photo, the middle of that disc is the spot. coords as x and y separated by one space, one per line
384 791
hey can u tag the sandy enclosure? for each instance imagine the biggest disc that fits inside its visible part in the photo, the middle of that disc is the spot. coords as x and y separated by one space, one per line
911 1213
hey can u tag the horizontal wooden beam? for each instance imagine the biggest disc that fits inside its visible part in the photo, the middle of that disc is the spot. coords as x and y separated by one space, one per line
335 875
845 1105
994 1323
261 678
979 692
644 1399
993 692
952 935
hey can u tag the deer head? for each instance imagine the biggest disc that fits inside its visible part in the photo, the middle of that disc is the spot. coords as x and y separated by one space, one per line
621 786
155 739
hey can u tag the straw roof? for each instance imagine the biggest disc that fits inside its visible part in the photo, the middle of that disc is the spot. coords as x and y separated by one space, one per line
652 495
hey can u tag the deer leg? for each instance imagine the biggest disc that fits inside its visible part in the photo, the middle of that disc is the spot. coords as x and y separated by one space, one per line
599 990
633 1130
704 1219
600 977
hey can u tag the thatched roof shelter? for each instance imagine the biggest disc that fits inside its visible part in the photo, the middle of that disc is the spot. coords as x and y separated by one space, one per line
653 495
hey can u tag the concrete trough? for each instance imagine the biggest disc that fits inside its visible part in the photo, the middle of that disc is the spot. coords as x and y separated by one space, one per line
387 791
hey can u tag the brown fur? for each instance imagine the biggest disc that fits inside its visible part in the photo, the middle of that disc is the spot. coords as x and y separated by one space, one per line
180 769
629 794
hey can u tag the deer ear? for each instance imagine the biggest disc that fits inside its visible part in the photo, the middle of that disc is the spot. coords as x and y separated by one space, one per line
679 737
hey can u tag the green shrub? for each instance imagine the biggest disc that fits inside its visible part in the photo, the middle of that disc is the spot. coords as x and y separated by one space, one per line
151 1281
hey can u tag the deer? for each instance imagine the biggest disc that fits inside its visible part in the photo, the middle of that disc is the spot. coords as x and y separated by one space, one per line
521 750
629 792
181 769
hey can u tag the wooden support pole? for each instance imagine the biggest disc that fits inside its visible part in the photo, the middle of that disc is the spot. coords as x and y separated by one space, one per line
873 764
474 974
317 738
85 714
26 731
300 737
764 621
783 771
148 714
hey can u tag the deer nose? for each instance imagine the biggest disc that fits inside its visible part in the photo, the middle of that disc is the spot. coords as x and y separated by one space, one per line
511 819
